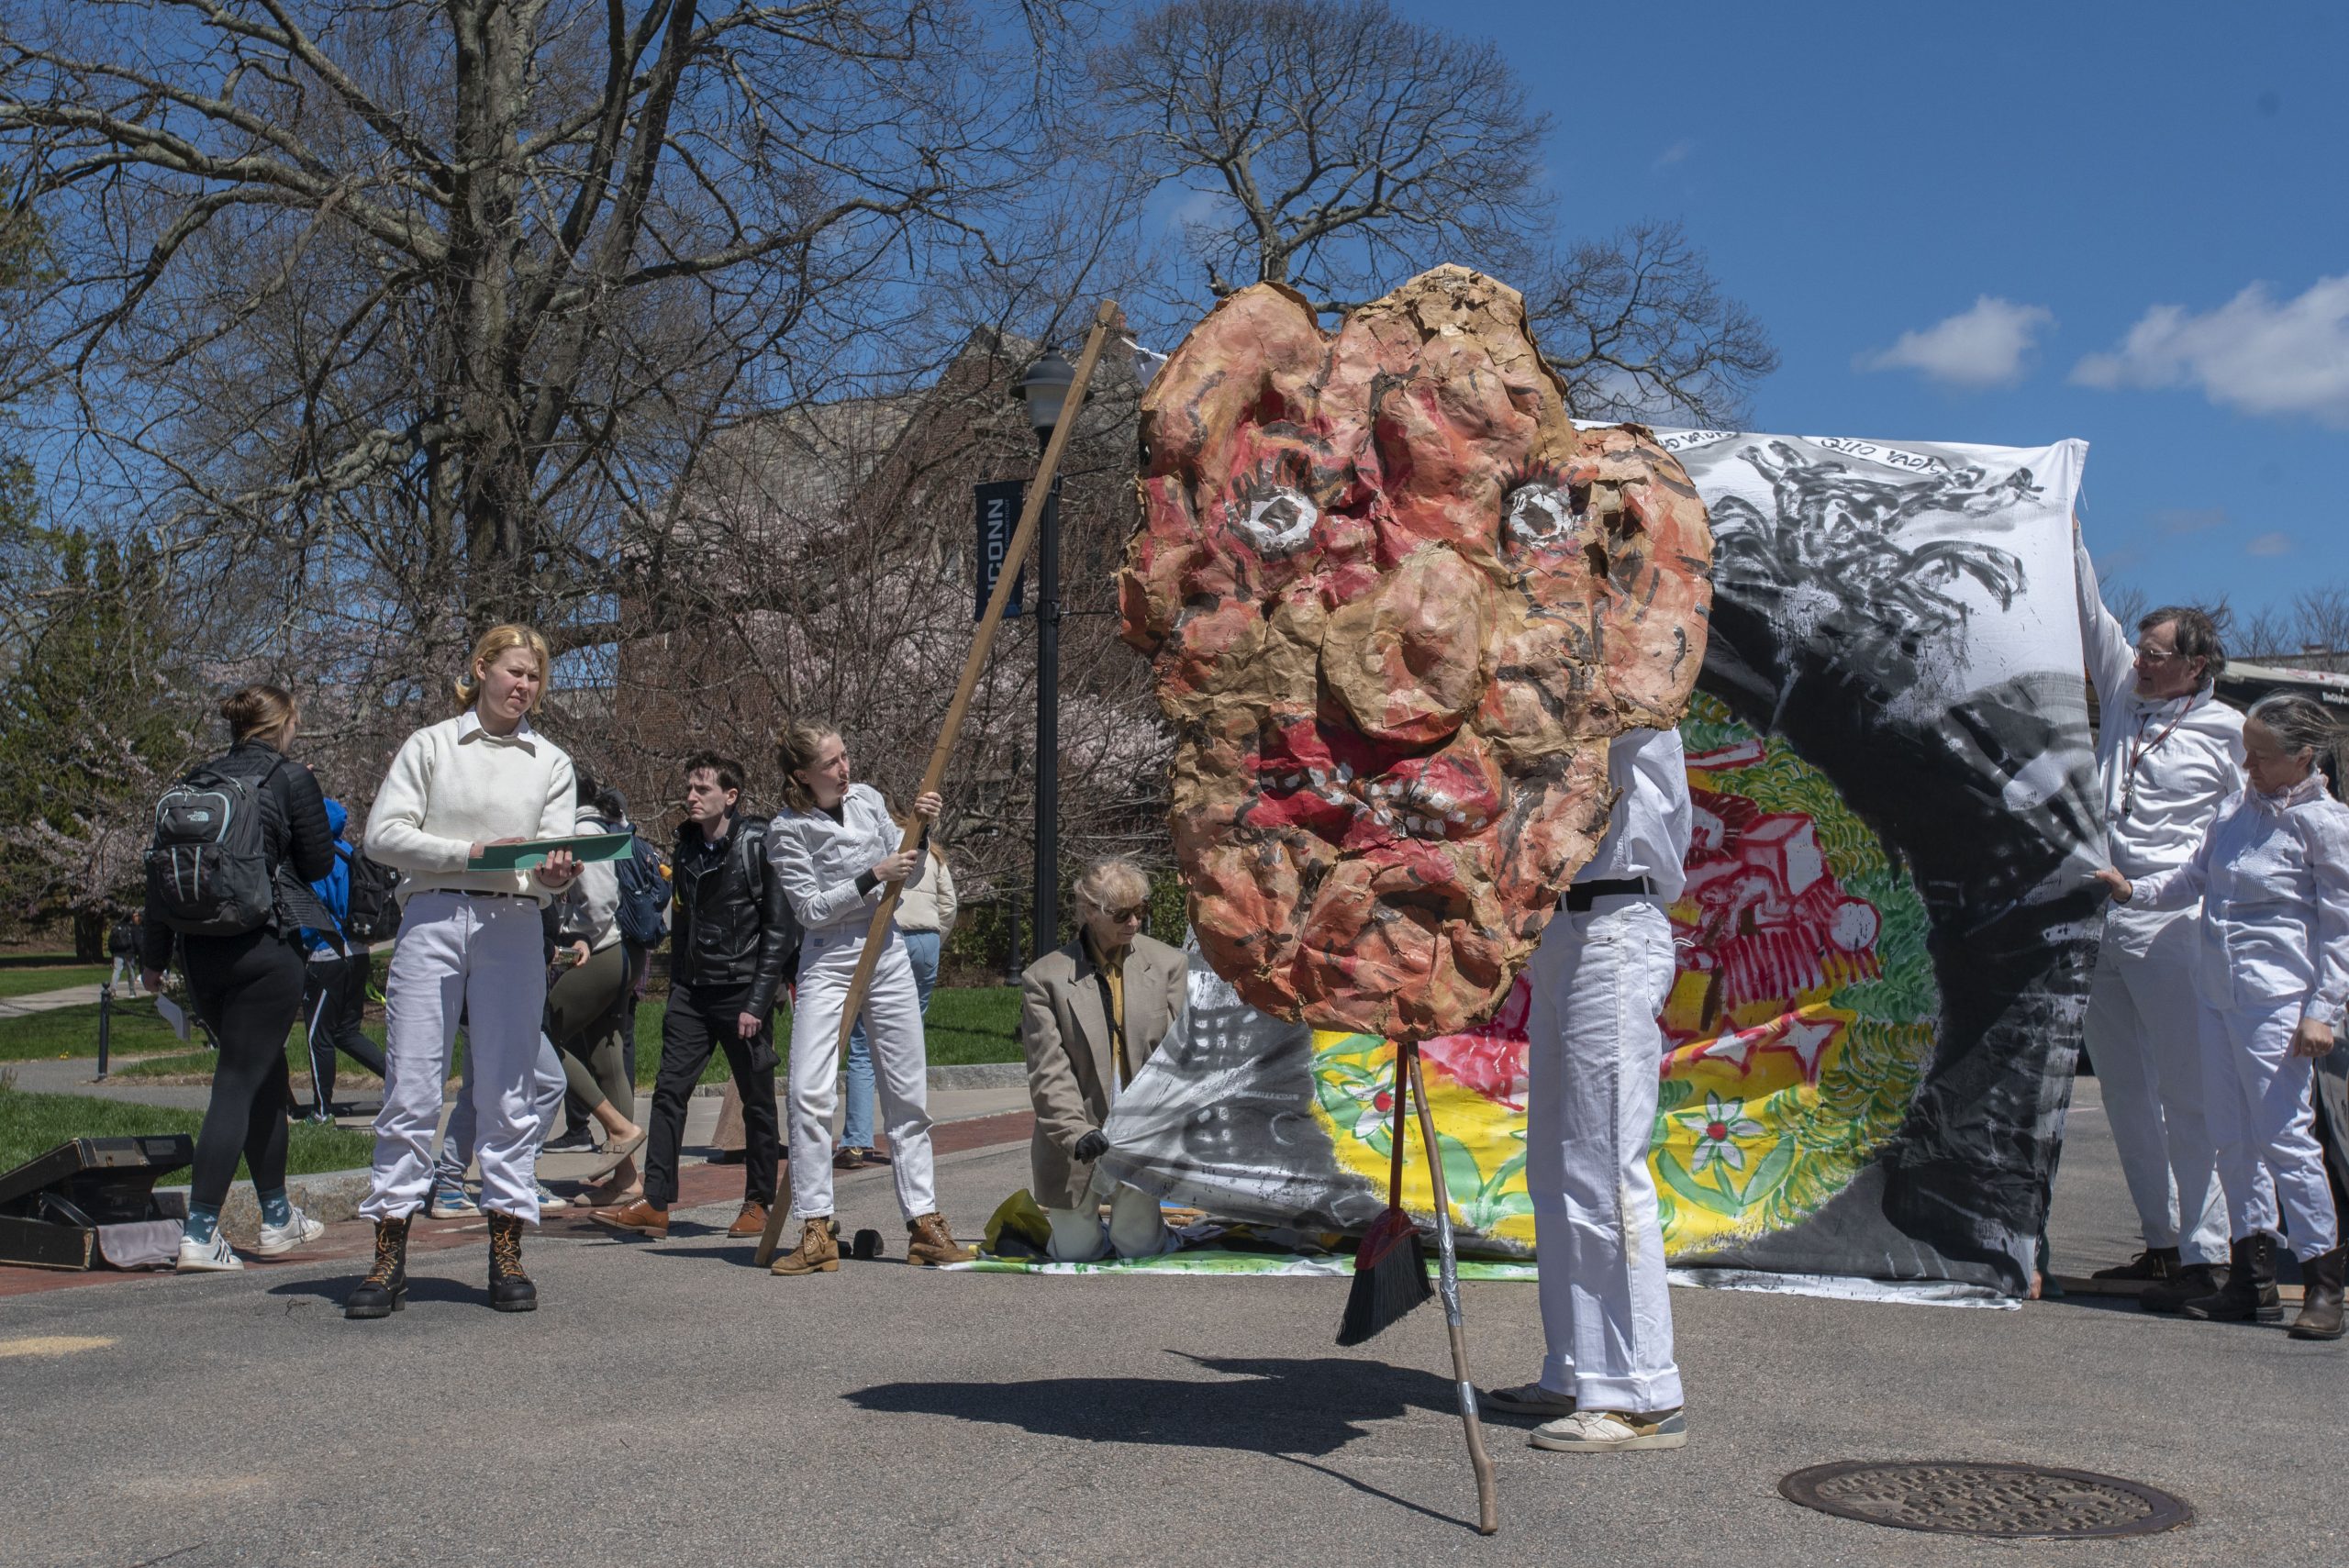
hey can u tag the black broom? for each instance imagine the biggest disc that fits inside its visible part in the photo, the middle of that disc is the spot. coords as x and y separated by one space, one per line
1391 1263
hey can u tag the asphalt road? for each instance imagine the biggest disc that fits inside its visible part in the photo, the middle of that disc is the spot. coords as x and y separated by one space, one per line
671 1405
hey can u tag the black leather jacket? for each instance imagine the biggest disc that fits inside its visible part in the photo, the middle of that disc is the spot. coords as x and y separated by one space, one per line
732 927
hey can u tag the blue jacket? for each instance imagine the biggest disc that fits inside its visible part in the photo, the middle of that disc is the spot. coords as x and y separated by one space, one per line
334 888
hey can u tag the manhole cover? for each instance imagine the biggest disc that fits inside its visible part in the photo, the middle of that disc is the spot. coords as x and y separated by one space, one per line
2006 1502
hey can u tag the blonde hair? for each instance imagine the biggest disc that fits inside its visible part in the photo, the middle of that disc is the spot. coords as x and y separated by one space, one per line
257 710
497 640
1097 889
797 747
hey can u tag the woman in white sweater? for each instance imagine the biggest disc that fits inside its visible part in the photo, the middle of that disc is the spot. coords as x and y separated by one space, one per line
835 848
470 948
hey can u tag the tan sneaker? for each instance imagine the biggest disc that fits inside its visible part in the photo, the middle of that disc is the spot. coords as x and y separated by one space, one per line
818 1252
929 1243
1612 1431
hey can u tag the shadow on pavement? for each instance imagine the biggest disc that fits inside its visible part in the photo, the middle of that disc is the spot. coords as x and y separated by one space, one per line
420 1287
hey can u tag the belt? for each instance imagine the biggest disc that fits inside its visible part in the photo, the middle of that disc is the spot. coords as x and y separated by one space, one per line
1580 895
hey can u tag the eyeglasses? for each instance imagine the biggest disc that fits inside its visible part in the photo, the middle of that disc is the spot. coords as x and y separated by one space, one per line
2156 656
1132 912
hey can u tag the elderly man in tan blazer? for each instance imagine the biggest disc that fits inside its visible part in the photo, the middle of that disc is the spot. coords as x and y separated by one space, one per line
1092 1012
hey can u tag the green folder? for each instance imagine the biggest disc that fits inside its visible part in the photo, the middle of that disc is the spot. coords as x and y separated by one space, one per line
533 852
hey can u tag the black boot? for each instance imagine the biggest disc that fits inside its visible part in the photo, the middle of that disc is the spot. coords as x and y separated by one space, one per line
2193 1282
2320 1315
385 1290
2249 1294
2159 1264
510 1289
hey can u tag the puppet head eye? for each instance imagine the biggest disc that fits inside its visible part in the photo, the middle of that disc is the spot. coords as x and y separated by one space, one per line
1539 514
1276 520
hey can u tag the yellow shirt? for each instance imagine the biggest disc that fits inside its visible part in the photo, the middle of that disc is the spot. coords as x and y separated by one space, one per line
1112 968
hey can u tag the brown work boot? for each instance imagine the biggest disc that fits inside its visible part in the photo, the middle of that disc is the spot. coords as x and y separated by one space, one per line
2321 1291
639 1217
510 1289
929 1243
385 1290
751 1221
818 1252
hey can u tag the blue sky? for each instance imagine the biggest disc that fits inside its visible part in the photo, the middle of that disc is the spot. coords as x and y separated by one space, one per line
2110 179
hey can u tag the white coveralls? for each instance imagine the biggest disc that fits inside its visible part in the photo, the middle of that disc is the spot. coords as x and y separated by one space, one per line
2272 948
818 862
1593 1062
2164 767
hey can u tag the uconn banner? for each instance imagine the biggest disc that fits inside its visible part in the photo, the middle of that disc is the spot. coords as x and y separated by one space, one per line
1870 1042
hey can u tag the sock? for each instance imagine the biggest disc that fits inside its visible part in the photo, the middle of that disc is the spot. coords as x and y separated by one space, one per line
202 1219
277 1209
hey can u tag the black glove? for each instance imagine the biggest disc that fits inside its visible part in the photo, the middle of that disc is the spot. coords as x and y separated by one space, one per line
1091 1146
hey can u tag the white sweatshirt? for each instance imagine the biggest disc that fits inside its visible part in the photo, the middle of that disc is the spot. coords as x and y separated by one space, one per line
928 903
452 786
591 904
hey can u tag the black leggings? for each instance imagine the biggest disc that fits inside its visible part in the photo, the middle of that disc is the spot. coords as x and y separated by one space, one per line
248 988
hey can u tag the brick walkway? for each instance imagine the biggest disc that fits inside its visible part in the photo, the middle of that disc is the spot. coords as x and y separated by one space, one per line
698 1185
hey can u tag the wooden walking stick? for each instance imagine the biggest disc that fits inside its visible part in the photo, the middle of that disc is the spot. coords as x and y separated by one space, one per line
1488 1519
934 776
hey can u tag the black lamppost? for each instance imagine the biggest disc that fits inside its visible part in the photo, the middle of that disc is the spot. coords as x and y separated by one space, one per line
1045 388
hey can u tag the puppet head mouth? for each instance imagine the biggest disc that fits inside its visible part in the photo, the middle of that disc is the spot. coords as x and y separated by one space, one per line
1356 794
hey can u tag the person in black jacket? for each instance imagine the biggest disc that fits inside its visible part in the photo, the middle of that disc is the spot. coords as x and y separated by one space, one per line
248 990
731 940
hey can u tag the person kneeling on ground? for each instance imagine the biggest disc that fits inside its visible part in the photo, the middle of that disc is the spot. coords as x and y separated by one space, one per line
1091 1013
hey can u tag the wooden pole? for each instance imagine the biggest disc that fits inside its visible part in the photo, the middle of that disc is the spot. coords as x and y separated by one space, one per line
934 776
1488 1519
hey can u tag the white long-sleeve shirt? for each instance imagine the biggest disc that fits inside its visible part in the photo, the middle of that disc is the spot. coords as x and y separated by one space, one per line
818 860
2184 757
592 904
1649 829
2273 877
452 786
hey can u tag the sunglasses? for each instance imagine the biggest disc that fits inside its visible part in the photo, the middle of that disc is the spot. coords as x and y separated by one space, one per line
1132 912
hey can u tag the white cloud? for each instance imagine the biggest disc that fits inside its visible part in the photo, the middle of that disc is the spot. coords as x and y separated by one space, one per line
2254 353
1979 348
2270 544
1677 153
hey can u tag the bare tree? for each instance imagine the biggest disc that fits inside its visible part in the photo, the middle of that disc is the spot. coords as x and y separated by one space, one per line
1334 147
1638 329
400 316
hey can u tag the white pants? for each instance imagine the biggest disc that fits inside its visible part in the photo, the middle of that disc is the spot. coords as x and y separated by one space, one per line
1593 1058
2257 1096
482 959
1135 1229
548 1086
2143 1033
900 1070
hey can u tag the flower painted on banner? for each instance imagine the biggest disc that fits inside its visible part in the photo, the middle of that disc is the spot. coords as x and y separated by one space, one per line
1720 1128
1359 1094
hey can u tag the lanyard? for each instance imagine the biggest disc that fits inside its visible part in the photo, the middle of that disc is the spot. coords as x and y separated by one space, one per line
2138 751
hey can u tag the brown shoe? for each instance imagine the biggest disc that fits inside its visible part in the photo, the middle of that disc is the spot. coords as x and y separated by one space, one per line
847 1159
818 1252
929 1243
751 1221
639 1217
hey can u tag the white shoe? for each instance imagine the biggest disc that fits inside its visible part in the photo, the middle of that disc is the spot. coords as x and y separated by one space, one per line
1612 1431
1528 1399
213 1257
299 1230
451 1203
548 1200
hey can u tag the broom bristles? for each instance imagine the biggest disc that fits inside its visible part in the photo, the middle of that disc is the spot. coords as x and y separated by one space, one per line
1390 1278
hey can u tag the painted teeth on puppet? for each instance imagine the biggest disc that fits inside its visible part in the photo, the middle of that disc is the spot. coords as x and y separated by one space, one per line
1276 524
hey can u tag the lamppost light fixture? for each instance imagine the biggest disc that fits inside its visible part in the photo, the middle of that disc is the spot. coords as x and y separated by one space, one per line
1045 388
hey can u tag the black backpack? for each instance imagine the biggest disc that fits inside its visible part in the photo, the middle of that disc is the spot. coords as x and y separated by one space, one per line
208 871
371 913
643 912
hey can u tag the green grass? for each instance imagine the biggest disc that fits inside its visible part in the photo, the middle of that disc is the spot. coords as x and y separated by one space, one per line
33 1124
965 1025
31 981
